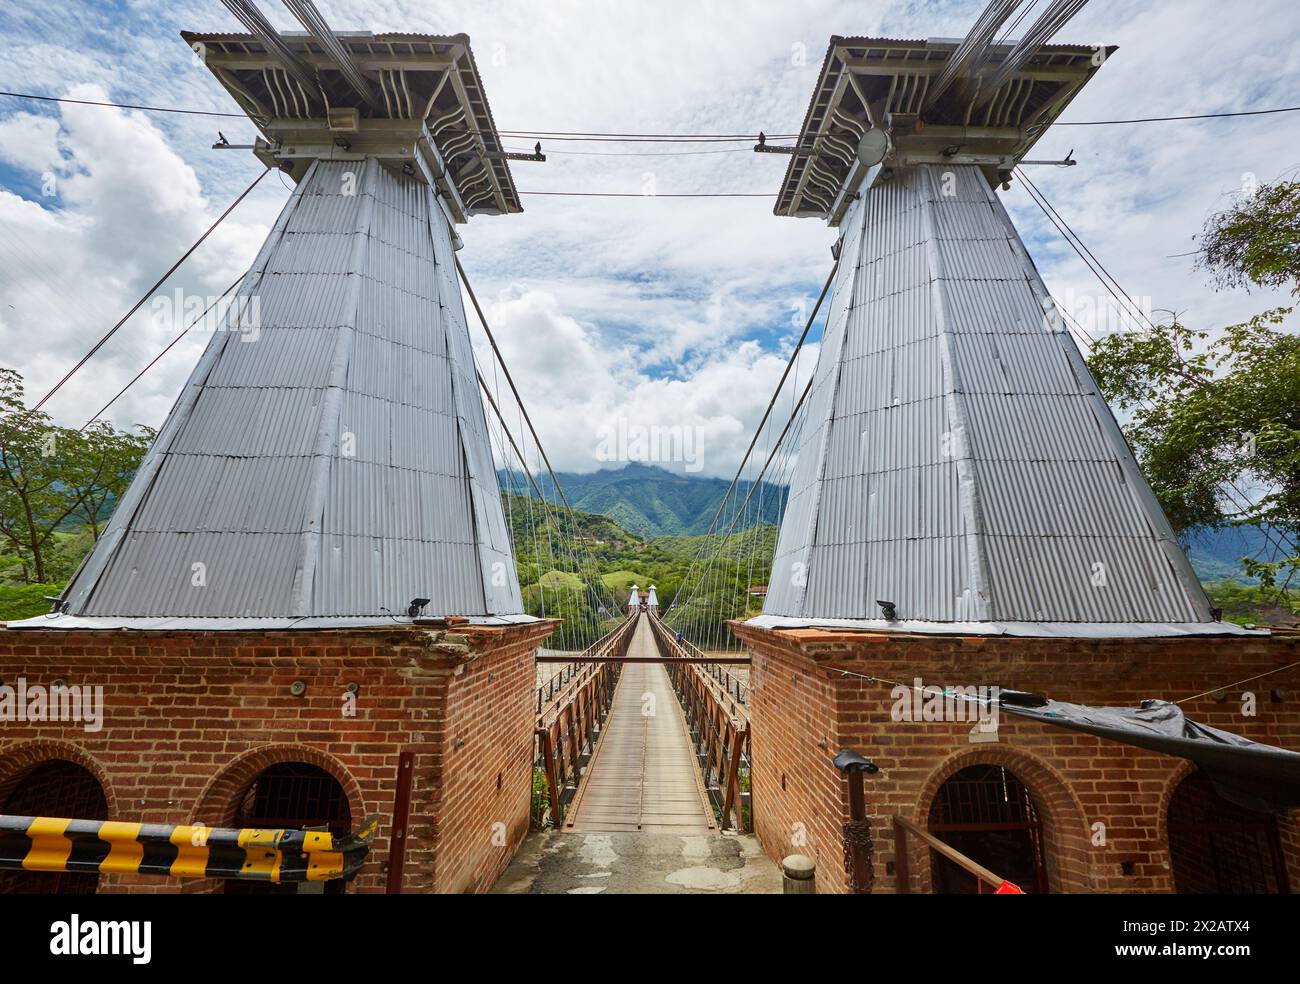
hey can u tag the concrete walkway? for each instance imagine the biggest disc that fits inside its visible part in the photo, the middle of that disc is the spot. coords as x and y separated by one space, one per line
554 863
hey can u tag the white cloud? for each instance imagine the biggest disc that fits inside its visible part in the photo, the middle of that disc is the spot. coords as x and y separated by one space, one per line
658 310
30 142
124 206
579 391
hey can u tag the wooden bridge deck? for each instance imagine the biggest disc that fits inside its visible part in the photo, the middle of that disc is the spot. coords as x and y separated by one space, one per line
643 775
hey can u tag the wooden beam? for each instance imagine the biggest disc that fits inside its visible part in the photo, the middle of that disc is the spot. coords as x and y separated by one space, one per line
951 853
901 66
459 85
257 61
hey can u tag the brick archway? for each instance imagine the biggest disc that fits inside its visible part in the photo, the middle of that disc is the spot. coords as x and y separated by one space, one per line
217 804
1213 845
1159 851
1065 828
55 779
18 759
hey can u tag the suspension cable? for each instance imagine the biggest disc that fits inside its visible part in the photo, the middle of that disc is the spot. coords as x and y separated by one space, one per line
1284 544
149 293
167 348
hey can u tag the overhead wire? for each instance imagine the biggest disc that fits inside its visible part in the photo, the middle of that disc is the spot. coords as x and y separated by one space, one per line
597 136
790 364
593 135
639 194
585 578
167 348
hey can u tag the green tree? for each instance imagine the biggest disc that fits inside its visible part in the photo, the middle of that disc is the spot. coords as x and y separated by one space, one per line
105 462
1215 417
1257 241
51 476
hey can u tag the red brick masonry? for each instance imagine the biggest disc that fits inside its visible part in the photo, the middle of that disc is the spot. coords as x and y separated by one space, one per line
190 718
803 711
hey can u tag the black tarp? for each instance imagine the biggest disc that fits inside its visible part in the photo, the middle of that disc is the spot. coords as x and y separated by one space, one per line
1259 777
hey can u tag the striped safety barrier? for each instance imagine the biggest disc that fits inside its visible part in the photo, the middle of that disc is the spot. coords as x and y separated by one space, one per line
182 851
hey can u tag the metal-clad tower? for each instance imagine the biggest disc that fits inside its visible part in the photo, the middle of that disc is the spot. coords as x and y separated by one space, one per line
957 463
334 464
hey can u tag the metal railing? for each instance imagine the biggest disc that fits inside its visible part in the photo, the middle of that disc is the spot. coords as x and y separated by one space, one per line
729 681
182 851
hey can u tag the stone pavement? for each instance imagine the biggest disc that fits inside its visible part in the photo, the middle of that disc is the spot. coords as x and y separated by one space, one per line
556 863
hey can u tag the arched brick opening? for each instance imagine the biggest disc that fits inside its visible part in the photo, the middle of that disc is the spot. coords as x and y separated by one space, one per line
219 801
51 779
1065 842
1159 851
1216 846
17 760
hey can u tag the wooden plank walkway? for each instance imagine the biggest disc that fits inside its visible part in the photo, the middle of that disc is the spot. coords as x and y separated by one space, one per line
643 775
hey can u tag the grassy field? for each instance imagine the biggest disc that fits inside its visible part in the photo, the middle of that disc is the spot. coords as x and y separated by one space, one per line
19 601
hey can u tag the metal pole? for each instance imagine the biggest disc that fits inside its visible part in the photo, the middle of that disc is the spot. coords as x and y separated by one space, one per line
401 815
857 830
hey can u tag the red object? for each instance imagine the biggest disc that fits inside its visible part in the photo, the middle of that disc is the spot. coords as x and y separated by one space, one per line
1007 888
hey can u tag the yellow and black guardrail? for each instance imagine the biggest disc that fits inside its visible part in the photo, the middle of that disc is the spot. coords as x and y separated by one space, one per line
182 851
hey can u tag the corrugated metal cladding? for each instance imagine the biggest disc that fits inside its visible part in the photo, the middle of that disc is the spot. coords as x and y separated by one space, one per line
335 462
957 458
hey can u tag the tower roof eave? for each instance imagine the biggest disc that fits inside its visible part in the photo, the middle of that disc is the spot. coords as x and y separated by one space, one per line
425 79
868 82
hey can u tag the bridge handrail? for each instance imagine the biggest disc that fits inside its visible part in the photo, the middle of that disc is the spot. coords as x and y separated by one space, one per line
720 722
903 827
585 670
567 728
717 670
701 664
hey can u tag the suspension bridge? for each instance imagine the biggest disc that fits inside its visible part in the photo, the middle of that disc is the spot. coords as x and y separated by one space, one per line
418 532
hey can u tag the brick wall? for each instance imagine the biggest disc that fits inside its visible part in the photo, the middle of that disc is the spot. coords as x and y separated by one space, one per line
191 718
803 711
483 768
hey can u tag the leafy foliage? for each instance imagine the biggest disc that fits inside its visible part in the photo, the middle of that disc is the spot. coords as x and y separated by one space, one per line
1215 417
1249 604
19 601
1257 241
558 585
52 477
1211 417
719 586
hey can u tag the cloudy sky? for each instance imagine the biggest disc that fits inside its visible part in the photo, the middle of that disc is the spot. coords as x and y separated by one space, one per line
650 310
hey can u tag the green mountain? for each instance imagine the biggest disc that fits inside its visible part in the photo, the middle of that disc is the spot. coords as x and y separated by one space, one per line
651 501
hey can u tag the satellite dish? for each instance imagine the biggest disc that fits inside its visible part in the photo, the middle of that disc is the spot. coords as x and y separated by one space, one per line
873 147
